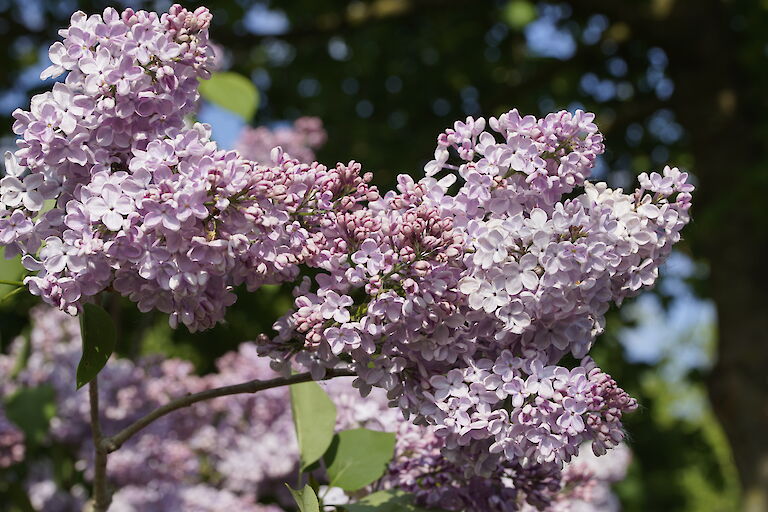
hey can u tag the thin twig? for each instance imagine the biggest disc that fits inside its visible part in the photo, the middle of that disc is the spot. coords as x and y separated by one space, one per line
100 494
110 444
10 294
18 284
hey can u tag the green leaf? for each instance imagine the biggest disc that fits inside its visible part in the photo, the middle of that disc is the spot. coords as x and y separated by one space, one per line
386 501
31 409
10 270
233 92
358 457
314 416
305 499
519 13
99 335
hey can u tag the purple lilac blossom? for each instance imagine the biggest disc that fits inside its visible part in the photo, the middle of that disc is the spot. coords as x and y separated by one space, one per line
459 305
146 205
299 140
224 454
235 452
419 467
11 442
463 304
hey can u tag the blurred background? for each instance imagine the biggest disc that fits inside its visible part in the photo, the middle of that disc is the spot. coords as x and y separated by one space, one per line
683 82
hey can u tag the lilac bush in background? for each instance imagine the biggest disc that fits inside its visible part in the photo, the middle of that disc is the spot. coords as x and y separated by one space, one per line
300 140
237 451
11 443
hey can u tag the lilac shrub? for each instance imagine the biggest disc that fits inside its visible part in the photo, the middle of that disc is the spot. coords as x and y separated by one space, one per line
237 451
457 294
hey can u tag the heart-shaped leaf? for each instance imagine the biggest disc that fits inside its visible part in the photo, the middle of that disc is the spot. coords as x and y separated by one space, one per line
233 92
358 457
98 333
305 498
314 416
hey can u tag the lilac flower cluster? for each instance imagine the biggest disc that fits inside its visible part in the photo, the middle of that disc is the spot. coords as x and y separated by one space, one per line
237 451
460 305
146 206
587 481
420 467
96 145
583 485
299 140
457 294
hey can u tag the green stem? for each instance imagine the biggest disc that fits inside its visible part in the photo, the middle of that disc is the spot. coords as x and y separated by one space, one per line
18 284
11 294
